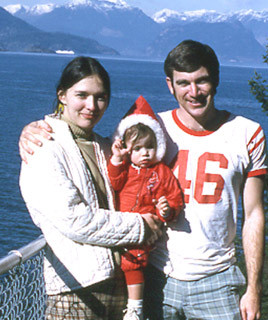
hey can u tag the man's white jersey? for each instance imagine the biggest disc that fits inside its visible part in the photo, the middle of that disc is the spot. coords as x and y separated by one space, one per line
211 167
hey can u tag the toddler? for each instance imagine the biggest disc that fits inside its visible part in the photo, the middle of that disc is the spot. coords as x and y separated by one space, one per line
142 184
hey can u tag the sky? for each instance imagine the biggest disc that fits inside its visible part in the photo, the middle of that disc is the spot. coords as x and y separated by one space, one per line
151 6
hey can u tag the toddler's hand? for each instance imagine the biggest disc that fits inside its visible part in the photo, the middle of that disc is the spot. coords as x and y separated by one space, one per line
119 152
163 207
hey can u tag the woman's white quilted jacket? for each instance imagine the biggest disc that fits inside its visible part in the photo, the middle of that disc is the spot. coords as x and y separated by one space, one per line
60 196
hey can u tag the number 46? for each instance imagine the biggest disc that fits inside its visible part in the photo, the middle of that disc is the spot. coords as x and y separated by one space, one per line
201 176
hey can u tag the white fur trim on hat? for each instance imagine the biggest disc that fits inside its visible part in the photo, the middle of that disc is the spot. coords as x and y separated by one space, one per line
147 120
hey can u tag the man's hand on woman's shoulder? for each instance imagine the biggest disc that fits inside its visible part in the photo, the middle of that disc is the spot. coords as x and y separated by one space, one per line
30 135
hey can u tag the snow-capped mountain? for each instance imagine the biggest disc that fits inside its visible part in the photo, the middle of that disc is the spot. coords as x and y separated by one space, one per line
98 4
111 22
211 16
40 9
171 16
37 9
247 15
232 42
130 31
255 21
18 35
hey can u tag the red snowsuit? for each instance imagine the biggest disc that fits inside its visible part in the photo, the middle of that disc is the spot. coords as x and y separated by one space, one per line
136 188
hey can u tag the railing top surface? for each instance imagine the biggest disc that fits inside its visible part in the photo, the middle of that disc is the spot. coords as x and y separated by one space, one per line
16 257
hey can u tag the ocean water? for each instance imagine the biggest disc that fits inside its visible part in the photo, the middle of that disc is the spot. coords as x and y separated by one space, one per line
27 93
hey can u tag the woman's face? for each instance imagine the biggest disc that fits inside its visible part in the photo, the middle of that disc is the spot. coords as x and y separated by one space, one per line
85 102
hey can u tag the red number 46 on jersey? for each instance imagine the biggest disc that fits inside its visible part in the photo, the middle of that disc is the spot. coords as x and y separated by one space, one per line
202 177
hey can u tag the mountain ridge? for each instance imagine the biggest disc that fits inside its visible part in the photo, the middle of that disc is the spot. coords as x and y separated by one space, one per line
131 32
256 21
113 23
228 49
17 35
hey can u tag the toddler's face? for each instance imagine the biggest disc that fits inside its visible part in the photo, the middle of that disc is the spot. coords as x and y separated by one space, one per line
143 152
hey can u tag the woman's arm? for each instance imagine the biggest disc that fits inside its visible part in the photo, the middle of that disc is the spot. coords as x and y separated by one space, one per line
54 201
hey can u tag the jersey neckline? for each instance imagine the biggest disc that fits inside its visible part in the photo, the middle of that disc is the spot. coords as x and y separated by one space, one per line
226 115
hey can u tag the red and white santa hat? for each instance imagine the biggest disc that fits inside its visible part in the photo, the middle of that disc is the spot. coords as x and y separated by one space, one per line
141 112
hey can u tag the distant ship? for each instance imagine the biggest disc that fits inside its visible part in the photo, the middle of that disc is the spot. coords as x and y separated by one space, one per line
65 51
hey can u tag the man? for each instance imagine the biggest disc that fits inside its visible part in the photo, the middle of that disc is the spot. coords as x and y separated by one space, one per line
215 156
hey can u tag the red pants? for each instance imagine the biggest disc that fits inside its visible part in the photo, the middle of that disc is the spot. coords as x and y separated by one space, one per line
133 261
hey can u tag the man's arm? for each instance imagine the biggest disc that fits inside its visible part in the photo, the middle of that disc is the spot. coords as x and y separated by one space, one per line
30 135
253 244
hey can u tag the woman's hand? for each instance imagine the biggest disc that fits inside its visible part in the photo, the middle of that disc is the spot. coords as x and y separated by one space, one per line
153 228
30 135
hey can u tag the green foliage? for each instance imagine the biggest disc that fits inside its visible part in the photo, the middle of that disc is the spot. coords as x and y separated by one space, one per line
259 86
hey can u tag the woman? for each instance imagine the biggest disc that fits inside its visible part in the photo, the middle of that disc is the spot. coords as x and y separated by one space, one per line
68 195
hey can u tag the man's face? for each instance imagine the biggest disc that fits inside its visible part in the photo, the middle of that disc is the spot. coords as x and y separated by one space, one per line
194 92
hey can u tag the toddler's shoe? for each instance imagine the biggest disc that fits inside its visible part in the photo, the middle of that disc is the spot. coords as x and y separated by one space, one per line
132 314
